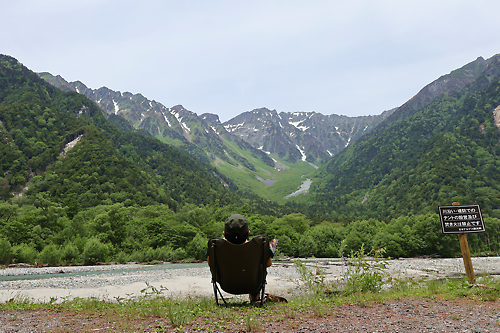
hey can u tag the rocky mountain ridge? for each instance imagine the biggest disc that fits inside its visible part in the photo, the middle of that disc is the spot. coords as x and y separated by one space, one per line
293 136
263 133
307 136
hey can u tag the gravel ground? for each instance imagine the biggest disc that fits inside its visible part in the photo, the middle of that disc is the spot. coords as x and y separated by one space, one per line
403 315
195 278
123 281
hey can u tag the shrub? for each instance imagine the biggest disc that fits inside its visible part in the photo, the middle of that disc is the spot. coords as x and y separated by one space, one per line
94 251
164 253
363 275
137 256
50 255
70 254
313 281
308 247
197 247
179 254
149 255
122 257
5 251
24 253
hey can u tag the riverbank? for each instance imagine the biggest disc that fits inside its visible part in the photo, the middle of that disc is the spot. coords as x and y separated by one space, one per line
112 282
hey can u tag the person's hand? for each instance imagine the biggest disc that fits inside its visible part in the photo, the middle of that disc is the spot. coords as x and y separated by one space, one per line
273 244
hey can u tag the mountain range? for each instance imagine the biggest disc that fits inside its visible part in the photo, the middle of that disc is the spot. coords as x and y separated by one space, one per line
250 147
440 146
292 136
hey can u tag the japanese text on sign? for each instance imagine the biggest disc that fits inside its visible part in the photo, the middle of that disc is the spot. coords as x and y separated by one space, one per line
461 219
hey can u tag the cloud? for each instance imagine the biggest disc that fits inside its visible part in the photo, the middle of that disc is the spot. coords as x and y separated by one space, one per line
227 57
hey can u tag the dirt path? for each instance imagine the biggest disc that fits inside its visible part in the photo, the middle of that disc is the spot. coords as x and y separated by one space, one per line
402 315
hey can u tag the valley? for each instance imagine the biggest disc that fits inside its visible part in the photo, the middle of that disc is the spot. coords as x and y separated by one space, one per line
238 147
145 183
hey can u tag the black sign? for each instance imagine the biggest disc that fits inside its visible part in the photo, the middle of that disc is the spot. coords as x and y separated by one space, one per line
461 219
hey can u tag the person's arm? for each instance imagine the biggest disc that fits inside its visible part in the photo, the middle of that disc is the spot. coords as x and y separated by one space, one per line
272 249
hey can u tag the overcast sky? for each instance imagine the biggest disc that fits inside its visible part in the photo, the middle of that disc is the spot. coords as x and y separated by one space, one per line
227 57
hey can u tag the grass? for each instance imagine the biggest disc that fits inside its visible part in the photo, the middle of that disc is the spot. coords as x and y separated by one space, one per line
201 313
151 311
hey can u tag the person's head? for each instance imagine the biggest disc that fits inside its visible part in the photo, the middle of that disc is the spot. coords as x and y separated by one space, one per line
236 229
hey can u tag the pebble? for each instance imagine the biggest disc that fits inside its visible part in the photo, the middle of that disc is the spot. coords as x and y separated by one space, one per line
104 275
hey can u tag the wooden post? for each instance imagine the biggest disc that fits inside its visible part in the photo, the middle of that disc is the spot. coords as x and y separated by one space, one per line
466 256
464 246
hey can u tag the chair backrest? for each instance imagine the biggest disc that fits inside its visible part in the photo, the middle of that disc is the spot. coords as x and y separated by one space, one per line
239 269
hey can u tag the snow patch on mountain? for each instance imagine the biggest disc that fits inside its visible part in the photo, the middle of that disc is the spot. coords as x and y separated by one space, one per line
301 153
179 119
348 142
117 108
168 122
232 128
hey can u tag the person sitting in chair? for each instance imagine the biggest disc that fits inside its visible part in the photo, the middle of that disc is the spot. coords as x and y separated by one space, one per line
236 231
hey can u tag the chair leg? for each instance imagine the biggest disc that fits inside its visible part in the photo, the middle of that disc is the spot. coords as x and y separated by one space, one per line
217 290
262 293
215 293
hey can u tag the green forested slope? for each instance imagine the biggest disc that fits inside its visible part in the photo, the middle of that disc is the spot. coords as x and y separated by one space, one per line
106 166
445 152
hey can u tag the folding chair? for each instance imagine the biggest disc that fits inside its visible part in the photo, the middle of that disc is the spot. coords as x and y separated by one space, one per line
239 269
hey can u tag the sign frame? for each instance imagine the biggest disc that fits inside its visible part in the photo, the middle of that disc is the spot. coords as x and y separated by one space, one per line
461 219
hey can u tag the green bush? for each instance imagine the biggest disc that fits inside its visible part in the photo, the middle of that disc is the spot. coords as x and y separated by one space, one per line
70 254
363 275
179 254
308 247
5 251
197 247
314 281
286 245
149 255
164 253
122 257
137 256
24 254
50 255
94 251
